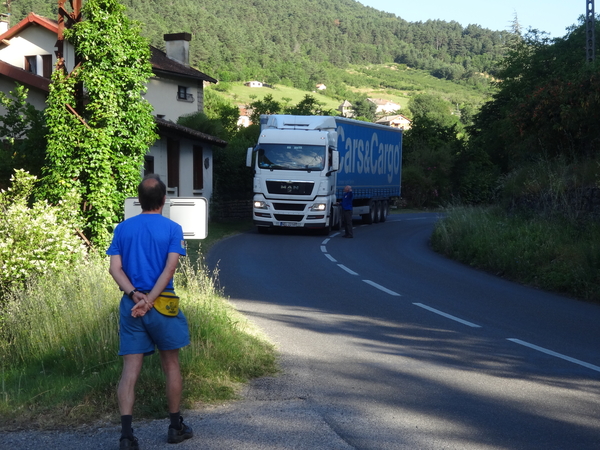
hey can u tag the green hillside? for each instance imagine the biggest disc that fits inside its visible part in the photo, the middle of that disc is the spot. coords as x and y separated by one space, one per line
370 81
300 43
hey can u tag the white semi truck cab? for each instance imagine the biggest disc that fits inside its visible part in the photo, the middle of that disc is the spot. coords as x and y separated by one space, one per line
295 163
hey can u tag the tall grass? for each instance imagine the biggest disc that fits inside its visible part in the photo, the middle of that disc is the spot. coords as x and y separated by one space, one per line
548 251
59 344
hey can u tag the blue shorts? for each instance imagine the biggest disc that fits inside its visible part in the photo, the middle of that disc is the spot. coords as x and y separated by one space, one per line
153 330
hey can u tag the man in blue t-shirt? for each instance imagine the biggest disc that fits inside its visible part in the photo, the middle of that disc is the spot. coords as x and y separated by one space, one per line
144 254
347 211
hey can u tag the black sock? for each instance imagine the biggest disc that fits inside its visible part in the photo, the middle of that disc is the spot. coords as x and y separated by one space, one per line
126 431
175 422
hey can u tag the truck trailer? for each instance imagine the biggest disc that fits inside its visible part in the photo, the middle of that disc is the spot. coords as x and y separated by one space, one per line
302 164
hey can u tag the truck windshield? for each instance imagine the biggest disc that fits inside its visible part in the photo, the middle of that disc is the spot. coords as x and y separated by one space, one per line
291 157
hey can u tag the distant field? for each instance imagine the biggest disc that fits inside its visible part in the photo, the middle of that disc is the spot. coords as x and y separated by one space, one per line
241 95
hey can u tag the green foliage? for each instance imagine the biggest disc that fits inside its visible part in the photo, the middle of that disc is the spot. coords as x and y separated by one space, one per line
38 238
22 135
296 42
546 106
201 122
58 348
364 109
309 106
434 160
550 253
268 105
433 108
101 152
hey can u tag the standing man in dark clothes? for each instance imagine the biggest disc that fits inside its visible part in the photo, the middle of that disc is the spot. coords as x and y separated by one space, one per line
347 208
144 254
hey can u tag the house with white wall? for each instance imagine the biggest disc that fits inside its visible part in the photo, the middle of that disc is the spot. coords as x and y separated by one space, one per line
384 106
181 156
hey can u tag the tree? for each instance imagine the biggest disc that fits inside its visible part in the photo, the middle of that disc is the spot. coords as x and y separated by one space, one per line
268 105
432 108
364 109
23 135
309 106
100 151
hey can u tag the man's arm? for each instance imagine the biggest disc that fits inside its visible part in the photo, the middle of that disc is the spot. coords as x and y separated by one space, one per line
121 278
160 285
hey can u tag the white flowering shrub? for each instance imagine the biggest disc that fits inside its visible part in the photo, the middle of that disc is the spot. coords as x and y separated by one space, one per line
37 237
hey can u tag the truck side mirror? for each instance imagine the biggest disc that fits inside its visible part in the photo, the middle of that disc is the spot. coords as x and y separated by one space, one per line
249 157
335 161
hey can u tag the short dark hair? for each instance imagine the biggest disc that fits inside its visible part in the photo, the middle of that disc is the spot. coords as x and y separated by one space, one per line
151 192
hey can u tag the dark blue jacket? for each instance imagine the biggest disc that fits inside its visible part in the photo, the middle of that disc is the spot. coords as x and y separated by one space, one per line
347 201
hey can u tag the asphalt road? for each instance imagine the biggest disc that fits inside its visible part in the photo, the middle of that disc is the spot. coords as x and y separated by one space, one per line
387 345
395 346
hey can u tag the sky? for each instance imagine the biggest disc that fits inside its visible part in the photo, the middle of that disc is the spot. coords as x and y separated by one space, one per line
552 16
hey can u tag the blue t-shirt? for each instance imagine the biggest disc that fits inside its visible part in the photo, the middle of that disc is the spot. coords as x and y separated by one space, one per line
144 243
347 201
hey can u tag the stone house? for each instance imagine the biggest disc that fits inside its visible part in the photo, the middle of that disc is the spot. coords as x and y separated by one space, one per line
397 121
181 156
346 109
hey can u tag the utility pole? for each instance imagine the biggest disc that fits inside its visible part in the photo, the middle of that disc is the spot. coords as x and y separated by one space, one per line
590 31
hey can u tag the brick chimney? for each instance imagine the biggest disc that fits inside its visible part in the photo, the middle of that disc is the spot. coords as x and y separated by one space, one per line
178 47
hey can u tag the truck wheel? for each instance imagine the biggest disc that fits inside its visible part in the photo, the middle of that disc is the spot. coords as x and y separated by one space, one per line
376 212
385 207
369 218
337 224
325 230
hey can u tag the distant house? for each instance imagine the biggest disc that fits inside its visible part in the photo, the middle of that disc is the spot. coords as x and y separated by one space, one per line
244 119
253 84
181 156
397 121
346 109
384 106
321 87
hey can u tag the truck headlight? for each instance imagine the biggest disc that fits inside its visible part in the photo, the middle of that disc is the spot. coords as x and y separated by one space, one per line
318 207
260 205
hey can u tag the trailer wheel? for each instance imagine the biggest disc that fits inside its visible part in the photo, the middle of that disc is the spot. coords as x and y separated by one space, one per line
385 209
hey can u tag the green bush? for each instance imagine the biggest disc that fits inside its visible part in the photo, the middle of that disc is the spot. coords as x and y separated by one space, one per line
36 238
550 252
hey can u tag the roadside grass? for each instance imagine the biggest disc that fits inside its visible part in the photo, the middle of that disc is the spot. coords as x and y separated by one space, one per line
59 342
552 253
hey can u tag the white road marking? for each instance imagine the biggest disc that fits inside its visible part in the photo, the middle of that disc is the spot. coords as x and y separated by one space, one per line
351 272
558 355
331 258
381 288
464 322
325 242
323 249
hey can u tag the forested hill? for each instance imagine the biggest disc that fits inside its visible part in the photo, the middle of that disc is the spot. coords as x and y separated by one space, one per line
298 40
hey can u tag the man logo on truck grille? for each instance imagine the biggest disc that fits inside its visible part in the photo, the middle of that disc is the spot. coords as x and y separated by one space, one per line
289 187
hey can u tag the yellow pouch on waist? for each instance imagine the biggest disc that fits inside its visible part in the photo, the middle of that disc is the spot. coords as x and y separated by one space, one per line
167 304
